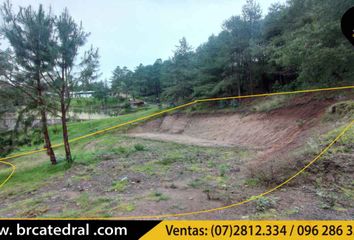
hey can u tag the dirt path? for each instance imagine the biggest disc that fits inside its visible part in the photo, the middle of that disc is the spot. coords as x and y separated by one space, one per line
182 139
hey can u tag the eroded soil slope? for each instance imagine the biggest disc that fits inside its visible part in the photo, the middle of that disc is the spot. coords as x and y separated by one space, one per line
265 132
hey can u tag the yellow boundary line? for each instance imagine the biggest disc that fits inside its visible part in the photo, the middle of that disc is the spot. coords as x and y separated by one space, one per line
12 172
3 160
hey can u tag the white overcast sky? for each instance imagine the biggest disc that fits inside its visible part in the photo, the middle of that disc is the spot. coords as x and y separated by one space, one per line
130 32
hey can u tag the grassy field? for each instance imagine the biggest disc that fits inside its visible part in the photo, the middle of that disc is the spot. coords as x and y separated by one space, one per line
116 175
77 129
37 166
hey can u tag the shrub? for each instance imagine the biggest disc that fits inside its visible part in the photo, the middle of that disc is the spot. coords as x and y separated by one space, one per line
24 140
340 110
139 147
36 137
223 170
264 203
5 145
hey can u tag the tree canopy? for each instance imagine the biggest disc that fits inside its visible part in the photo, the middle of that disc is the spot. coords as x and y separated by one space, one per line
296 45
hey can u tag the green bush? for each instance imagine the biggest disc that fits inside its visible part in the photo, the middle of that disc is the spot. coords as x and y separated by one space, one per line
120 150
223 170
264 203
5 145
341 110
36 137
139 147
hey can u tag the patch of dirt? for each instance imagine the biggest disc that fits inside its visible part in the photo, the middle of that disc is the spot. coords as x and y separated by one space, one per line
266 132
182 139
90 145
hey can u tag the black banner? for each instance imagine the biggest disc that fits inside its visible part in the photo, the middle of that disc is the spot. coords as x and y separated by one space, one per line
347 24
74 229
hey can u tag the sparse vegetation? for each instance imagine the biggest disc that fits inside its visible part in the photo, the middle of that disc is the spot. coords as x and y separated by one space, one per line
196 183
120 185
158 196
126 207
270 103
264 203
171 158
252 182
83 201
341 110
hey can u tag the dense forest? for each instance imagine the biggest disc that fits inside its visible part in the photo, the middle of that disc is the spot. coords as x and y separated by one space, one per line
297 45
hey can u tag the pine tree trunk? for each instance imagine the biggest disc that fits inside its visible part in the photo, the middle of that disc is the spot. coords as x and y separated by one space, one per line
44 122
48 144
251 81
65 94
239 90
239 87
65 133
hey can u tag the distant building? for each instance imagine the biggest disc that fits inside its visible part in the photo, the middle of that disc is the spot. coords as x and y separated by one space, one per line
137 103
82 94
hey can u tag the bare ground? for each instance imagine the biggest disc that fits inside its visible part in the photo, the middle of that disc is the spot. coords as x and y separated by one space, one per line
268 133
